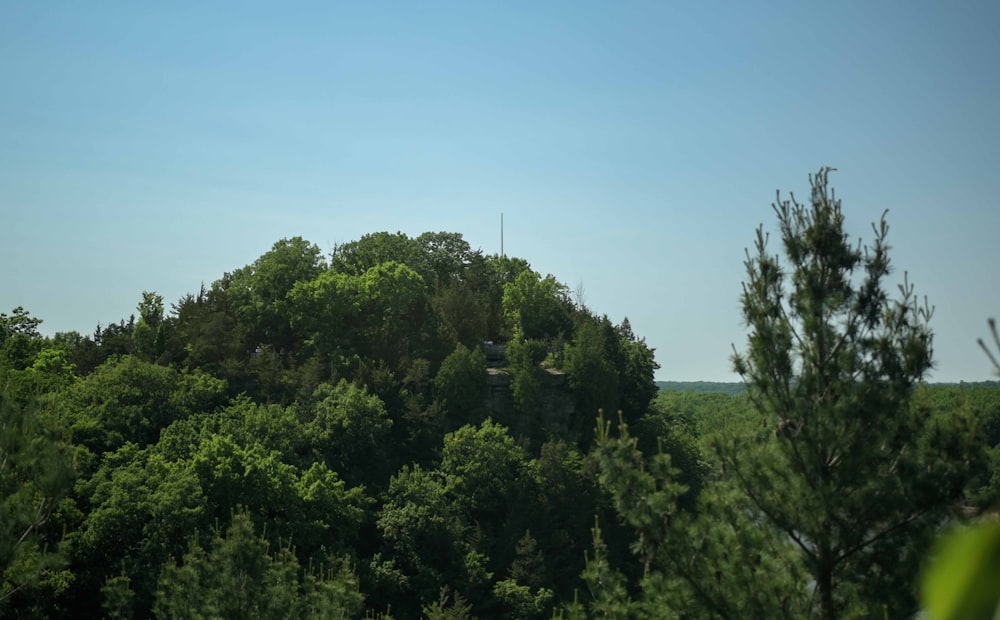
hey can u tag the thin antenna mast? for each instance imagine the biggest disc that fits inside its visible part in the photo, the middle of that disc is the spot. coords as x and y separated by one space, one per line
501 235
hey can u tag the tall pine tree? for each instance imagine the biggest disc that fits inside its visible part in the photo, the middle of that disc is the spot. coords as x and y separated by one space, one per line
853 471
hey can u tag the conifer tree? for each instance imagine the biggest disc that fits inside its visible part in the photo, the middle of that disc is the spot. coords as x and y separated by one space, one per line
36 473
239 577
852 471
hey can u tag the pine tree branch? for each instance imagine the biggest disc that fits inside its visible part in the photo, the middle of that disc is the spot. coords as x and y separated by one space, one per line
778 520
37 522
11 592
996 339
707 598
865 543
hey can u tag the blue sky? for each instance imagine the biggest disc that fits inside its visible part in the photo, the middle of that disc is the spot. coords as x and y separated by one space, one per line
632 146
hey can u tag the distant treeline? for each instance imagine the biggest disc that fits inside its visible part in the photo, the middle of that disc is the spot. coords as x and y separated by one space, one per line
710 387
731 388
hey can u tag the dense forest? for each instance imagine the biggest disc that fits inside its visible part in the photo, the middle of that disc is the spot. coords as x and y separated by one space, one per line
408 427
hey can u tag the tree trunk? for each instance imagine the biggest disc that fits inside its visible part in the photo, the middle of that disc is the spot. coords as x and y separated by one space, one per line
824 581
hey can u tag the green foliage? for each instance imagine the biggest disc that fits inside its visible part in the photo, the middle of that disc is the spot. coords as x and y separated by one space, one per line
142 509
523 357
424 535
458 525
231 454
644 493
378 313
207 334
536 307
150 331
978 406
392 301
357 257
52 369
19 338
118 597
518 601
237 577
728 389
570 497
445 253
467 290
962 579
713 560
350 428
592 374
609 369
145 503
231 474
529 565
19 322
725 563
450 606
258 293
852 472
129 400
36 472
636 366
488 473
609 597
459 386
327 311
463 314
675 431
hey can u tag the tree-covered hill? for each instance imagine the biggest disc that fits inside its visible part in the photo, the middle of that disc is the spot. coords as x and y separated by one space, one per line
325 417
331 436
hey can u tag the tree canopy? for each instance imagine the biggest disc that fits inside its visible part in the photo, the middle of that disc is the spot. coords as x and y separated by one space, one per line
411 428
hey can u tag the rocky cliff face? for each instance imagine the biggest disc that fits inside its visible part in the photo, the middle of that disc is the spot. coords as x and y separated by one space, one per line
555 411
